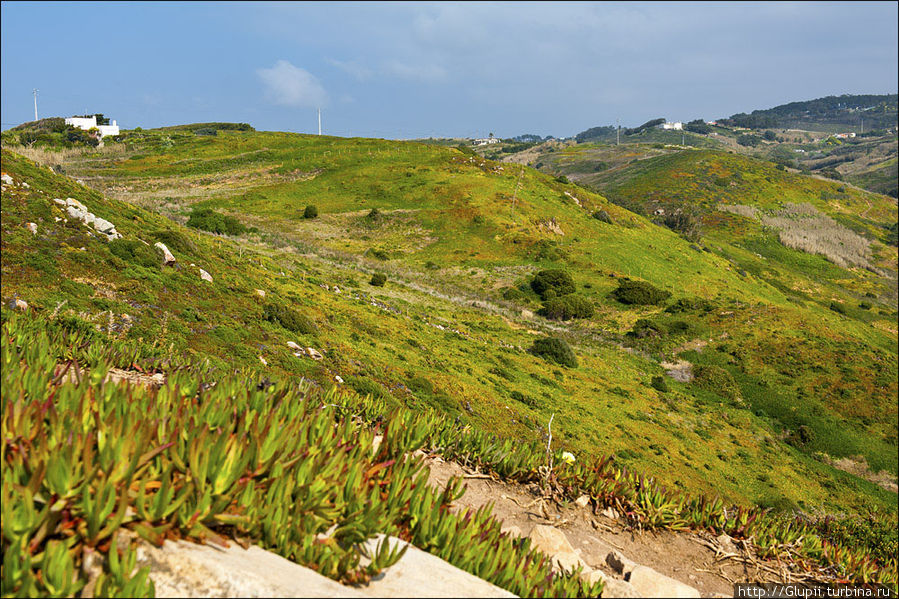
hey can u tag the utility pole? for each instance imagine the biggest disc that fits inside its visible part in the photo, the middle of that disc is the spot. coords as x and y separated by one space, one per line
319 121
617 133
35 103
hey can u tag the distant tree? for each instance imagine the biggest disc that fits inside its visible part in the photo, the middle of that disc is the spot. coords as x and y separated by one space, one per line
698 126
769 135
749 140
311 211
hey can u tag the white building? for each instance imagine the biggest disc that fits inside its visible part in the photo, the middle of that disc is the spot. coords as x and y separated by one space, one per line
673 126
88 123
486 141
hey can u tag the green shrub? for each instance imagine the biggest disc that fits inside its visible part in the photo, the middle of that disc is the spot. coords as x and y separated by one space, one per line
864 305
837 307
288 318
374 215
717 380
546 249
206 131
556 280
175 241
365 386
553 349
378 279
658 383
646 328
562 179
379 254
421 385
311 211
639 293
603 216
208 219
514 294
135 252
690 305
567 307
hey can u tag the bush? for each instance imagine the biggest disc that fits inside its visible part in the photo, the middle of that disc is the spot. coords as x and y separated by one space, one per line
289 318
658 383
553 349
378 279
602 216
639 293
646 328
717 380
379 254
837 307
690 305
864 305
206 131
208 219
513 294
374 215
562 179
556 280
421 386
567 307
310 212
175 241
135 252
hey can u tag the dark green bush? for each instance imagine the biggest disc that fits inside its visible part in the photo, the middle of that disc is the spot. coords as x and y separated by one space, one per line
135 252
567 307
562 179
690 305
557 280
646 328
603 216
311 211
175 241
864 305
365 386
553 349
288 318
514 294
837 307
421 385
717 380
374 215
206 131
378 279
379 254
208 219
658 383
639 293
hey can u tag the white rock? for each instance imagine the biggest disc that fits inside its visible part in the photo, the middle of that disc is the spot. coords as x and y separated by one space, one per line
619 563
260 293
18 304
650 583
338 378
312 353
264 362
726 543
610 513
612 586
205 275
293 345
76 204
167 256
420 574
582 501
59 201
102 225
183 569
554 543
25 185
32 227
6 179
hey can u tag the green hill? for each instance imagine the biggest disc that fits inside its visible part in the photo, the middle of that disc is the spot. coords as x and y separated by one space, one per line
460 238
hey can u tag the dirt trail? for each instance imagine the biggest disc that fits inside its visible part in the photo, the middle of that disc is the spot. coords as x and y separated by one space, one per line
682 556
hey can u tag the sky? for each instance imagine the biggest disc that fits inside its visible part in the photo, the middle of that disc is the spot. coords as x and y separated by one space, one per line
415 69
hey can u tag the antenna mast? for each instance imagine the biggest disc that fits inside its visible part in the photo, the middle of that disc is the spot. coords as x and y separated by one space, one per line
35 103
319 121
617 133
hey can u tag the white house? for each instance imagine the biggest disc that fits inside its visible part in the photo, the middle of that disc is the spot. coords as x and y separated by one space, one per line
88 123
673 126
486 141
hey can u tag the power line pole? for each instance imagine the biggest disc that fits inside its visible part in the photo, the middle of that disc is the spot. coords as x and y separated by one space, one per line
319 121
35 103
617 133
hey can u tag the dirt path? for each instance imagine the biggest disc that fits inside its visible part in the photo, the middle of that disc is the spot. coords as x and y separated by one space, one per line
682 556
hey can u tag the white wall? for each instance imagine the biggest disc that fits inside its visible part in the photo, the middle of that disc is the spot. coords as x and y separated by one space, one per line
81 122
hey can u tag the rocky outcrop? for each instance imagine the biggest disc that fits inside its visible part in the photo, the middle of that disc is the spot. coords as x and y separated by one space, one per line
554 543
650 583
205 275
79 211
167 257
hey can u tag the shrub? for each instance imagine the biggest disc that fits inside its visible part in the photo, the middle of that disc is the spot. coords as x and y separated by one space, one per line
690 305
379 254
639 293
311 211
646 328
837 307
553 349
378 279
365 386
556 280
135 252
374 215
208 219
864 305
288 318
206 131
567 307
717 380
175 241
421 385
546 249
562 179
513 294
658 383
602 216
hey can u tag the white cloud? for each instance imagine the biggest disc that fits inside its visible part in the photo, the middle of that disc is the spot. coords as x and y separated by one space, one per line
353 68
429 73
288 85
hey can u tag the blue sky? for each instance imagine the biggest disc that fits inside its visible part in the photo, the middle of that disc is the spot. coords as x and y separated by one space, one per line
403 70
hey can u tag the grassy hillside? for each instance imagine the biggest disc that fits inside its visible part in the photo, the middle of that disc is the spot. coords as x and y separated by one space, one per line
459 239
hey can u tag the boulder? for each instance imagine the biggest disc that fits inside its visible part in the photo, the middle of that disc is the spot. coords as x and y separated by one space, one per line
183 569
313 353
167 256
6 179
293 345
726 543
650 583
260 293
420 574
554 543
205 275
17 304
31 227
612 587
582 501
619 563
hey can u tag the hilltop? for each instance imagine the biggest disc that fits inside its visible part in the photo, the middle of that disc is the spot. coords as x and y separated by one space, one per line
719 370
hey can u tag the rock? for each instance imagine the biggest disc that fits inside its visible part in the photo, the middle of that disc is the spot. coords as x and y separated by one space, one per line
612 586
376 443
183 569
293 345
527 314
25 185
619 563
312 353
76 204
610 513
6 179
263 360
726 543
17 304
420 574
554 543
167 257
205 275
650 583
512 531
102 225
338 378
31 227
260 293
582 501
